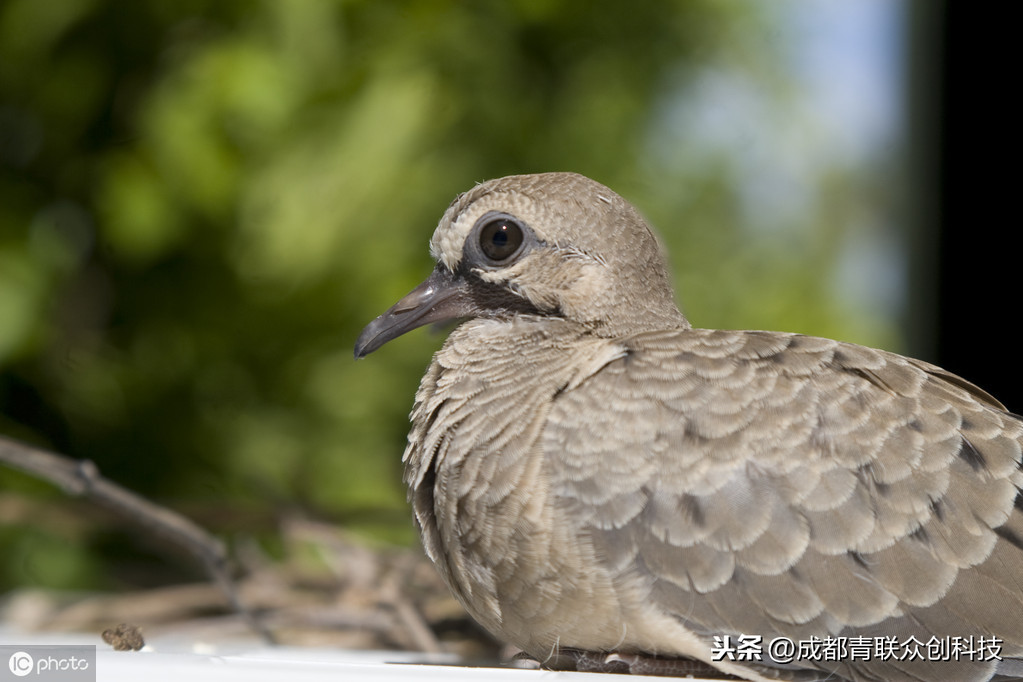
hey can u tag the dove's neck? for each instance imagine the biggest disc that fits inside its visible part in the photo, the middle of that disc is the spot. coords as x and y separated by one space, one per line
634 315
619 300
641 319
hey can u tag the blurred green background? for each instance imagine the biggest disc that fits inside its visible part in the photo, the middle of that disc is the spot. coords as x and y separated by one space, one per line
202 203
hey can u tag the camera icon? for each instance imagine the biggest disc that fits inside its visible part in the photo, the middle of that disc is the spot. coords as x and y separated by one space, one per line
21 663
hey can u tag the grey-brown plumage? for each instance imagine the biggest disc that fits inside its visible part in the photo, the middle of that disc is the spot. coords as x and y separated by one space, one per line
590 473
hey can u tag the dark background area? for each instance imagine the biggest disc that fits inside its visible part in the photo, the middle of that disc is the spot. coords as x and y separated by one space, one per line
981 236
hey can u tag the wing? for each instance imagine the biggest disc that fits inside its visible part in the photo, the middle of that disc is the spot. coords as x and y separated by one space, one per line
783 485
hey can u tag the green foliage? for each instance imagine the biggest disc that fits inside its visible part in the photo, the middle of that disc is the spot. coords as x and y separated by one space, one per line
202 203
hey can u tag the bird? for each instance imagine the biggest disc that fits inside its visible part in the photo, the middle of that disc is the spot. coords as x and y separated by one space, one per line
600 483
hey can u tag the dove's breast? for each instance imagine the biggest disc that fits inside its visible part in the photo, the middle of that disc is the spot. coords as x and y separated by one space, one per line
481 489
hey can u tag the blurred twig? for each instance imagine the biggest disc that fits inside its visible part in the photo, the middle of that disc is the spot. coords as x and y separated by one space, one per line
81 478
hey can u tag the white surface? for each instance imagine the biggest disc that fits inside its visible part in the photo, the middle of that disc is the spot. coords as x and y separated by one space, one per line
172 661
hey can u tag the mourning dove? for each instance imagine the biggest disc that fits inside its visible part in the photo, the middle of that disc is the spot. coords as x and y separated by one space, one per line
591 474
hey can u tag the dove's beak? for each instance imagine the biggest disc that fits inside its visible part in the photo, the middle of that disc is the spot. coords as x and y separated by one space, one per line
442 296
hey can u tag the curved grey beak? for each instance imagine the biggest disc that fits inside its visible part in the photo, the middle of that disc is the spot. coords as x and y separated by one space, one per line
442 296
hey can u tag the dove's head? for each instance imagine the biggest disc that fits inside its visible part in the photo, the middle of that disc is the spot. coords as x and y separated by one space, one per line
554 244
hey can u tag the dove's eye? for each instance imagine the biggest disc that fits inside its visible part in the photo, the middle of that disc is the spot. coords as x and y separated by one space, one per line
501 238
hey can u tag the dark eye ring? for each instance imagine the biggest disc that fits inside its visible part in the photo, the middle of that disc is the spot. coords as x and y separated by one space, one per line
500 239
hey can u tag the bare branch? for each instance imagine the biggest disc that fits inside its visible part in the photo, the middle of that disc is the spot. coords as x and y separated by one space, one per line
81 478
